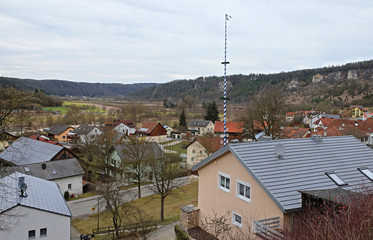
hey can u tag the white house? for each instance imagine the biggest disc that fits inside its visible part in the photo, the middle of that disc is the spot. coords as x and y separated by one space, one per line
128 129
201 127
34 209
67 173
85 133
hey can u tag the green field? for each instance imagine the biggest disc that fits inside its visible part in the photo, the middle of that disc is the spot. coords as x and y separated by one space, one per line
62 110
65 107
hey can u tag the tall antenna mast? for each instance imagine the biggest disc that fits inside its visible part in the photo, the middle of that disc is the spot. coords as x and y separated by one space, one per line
225 80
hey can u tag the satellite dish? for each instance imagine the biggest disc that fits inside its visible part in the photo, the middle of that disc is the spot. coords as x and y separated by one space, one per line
280 149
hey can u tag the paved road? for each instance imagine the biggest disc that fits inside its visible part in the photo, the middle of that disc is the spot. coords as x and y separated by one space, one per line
83 207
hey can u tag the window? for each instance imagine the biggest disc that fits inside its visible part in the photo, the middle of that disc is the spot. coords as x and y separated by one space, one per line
63 137
43 232
69 186
224 182
367 173
337 180
31 234
237 219
243 190
192 159
194 151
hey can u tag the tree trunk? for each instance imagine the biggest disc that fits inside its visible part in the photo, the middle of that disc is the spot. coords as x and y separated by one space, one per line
162 208
139 188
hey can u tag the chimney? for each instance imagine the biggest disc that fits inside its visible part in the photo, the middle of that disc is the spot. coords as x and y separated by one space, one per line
317 138
43 166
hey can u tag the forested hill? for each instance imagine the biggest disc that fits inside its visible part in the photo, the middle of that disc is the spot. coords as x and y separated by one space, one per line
63 88
339 85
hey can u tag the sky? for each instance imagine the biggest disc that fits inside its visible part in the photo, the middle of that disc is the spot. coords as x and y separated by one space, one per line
142 41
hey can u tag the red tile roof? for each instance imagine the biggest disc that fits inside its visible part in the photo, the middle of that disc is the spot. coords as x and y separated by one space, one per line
211 144
294 132
149 126
43 139
232 127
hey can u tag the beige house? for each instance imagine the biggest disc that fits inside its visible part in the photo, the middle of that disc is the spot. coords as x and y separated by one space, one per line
201 127
201 148
254 183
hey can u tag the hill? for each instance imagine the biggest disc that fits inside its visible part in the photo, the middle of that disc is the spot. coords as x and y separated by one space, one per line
63 88
337 85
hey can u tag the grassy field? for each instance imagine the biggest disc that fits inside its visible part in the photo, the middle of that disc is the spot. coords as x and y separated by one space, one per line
179 148
150 207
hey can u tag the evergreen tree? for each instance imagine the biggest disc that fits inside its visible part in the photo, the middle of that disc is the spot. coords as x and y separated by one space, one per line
182 119
212 113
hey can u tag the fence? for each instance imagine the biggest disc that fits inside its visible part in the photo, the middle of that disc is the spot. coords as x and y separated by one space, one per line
266 228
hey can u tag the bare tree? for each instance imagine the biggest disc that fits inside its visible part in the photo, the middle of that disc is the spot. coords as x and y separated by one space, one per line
267 108
165 172
135 157
118 202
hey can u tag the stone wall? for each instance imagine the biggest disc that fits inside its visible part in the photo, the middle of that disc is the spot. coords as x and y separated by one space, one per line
189 217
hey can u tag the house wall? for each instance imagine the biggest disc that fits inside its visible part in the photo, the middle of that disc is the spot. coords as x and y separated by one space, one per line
208 129
195 153
76 185
122 128
157 139
211 199
91 135
63 136
58 226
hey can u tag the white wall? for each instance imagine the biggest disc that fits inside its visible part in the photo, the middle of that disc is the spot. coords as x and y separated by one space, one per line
123 128
195 153
58 226
76 185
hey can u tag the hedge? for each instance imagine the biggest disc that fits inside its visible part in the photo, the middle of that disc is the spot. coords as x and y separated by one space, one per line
180 233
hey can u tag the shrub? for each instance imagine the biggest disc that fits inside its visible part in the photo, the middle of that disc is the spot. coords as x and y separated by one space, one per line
180 233
66 195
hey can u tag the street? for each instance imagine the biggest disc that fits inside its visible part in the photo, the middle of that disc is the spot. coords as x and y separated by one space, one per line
82 207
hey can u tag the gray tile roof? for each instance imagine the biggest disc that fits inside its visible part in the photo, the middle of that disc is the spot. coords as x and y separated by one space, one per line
198 123
83 129
28 151
54 169
41 194
58 129
302 167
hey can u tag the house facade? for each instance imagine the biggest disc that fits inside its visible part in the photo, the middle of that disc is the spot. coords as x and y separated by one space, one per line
201 148
200 127
84 133
40 212
152 132
262 180
126 127
59 133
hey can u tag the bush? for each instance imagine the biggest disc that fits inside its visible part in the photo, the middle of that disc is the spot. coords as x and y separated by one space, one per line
180 233
66 195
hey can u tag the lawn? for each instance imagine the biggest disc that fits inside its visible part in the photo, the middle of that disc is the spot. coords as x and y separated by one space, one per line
179 148
150 206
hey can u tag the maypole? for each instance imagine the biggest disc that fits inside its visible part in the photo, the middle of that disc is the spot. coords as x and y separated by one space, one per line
225 80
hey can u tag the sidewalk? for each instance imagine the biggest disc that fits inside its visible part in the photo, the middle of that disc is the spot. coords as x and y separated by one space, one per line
164 233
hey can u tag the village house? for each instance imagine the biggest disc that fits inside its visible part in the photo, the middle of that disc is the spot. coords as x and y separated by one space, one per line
358 112
59 133
200 127
201 148
34 208
152 132
28 151
84 133
234 130
294 132
123 158
67 173
257 183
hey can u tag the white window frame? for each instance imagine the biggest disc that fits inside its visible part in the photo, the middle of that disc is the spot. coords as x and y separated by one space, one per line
234 222
225 189
238 182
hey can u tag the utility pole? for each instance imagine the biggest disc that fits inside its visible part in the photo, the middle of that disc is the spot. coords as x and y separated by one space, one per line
226 18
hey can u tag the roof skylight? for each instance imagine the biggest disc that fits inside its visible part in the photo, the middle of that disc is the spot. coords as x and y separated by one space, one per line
26 169
337 180
367 173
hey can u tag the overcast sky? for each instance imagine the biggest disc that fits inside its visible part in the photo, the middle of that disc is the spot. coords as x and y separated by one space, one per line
131 41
